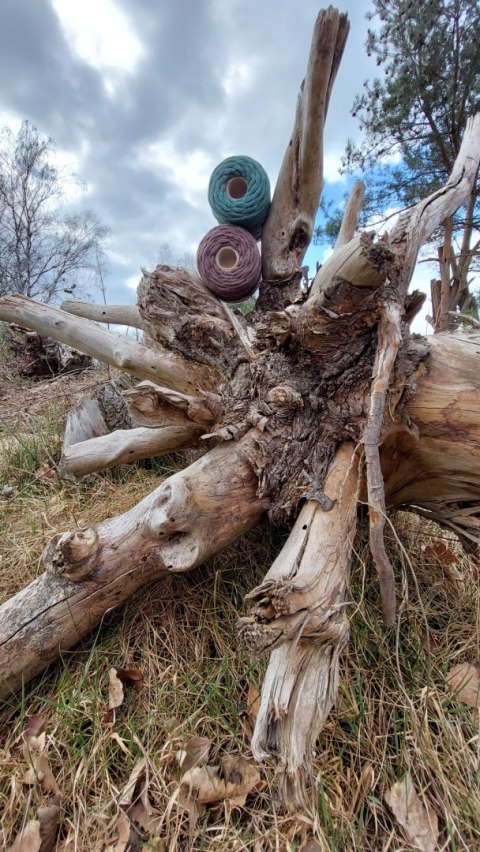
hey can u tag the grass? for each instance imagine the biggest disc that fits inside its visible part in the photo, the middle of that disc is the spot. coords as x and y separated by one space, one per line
395 712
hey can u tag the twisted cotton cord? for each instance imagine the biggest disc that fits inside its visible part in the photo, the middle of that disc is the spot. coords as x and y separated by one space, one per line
228 261
239 194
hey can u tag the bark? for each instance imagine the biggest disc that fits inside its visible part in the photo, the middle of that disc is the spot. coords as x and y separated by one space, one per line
289 227
191 516
114 349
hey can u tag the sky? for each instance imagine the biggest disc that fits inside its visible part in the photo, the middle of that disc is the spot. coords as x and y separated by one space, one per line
143 98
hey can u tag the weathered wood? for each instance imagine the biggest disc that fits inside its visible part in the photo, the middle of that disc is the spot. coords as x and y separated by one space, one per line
289 227
351 215
191 516
128 315
100 413
299 612
118 350
124 446
153 405
435 464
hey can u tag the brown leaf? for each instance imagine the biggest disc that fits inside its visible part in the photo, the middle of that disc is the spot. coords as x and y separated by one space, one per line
49 818
130 677
253 701
40 772
464 680
236 778
147 820
440 552
195 753
28 839
115 690
416 817
33 726
122 827
137 775
119 678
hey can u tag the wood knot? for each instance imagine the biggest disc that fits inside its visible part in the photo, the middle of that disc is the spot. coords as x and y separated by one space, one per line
70 555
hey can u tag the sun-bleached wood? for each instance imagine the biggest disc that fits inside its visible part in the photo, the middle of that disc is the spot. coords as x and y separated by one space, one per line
289 226
351 215
124 446
128 315
299 612
191 516
114 349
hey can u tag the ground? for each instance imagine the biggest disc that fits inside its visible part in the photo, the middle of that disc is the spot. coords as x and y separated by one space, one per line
396 713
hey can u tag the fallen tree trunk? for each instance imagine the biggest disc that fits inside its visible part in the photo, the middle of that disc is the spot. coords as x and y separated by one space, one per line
191 516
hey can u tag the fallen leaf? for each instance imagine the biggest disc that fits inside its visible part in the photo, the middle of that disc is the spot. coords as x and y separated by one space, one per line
122 827
130 677
33 726
241 776
147 820
137 773
119 678
115 690
49 819
464 680
28 839
233 780
195 753
440 551
253 701
40 772
416 817
311 846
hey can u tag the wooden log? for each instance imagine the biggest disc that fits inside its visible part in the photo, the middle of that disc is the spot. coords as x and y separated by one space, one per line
128 315
299 612
124 446
118 350
289 227
191 516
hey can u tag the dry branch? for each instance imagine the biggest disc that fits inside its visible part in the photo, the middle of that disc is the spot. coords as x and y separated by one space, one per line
125 446
289 227
191 516
352 212
115 349
128 315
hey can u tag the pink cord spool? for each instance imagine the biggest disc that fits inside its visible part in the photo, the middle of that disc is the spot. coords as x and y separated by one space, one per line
228 262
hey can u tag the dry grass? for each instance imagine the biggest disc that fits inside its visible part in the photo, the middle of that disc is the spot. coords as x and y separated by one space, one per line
395 712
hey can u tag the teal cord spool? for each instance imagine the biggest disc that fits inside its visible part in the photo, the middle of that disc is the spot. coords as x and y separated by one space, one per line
239 194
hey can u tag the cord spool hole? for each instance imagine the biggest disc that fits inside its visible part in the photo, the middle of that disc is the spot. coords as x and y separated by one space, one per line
237 187
227 258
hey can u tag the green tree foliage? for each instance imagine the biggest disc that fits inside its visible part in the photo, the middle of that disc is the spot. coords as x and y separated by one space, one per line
44 251
429 52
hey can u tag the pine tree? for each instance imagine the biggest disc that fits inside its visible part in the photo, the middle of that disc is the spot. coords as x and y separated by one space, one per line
430 56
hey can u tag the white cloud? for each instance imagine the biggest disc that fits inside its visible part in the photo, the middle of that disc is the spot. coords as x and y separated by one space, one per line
239 76
331 165
102 35
189 172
